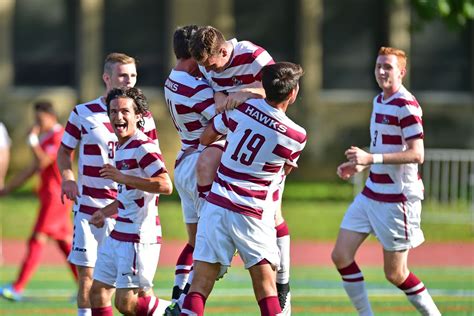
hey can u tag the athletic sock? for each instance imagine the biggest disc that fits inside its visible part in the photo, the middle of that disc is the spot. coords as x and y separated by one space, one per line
30 263
150 305
418 295
84 312
183 268
283 242
102 311
194 304
185 291
353 282
269 306
66 247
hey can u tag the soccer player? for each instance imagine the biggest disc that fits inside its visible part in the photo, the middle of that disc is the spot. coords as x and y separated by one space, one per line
128 258
4 153
89 127
53 219
261 141
190 102
390 204
233 69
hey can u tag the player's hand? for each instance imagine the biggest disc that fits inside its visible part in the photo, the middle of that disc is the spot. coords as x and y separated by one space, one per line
348 169
70 190
35 130
235 99
110 172
358 156
97 219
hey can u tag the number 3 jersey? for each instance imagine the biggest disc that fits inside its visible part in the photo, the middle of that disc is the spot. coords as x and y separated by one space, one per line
89 126
394 121
260 141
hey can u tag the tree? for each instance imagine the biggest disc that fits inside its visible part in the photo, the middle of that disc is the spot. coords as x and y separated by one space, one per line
455 13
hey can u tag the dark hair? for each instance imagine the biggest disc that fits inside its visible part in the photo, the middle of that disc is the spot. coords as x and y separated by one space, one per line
44 106
279 79
139 99
181 38
206 42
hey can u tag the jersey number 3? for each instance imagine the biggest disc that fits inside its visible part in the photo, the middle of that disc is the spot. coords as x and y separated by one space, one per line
253 144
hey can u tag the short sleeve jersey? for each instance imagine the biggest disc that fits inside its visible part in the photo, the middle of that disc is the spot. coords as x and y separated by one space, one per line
89 127
260 141
244 69
50 176
394 121
190 101
138 219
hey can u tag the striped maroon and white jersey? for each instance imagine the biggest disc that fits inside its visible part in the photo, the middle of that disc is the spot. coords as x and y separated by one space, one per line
138 219
89 127
394 121
260 141
244 70
190 101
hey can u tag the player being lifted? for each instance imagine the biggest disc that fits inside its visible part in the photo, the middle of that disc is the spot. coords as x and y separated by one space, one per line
390 204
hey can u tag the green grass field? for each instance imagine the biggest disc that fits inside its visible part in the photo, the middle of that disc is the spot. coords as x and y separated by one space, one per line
313 212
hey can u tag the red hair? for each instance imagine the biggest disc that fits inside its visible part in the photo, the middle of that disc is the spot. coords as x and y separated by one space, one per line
400 54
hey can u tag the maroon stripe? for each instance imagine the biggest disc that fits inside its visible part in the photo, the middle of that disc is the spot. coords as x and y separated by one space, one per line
384 197
282 151
91 171
420 136
108 125
183 109
353 280
123 220
379 98
232 124
87 209
410 120
91 149
126 164
204 188
182 271
282 230
99 193
140 202
276 195
380 178
84 131
230 82
182 89
391 139
73 130
152 134
120 205
353 268
234 207
403 102
129 237
258 76
148 159
242 176
152 310
156 174
256 194
405 220
386 119
95 108
134 144
202 106
243 59
193 126
417 291
272 168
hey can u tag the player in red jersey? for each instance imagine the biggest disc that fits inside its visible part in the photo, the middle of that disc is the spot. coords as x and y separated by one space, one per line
390 204
54 217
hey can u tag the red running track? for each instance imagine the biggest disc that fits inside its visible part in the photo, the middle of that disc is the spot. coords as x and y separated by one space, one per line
303 253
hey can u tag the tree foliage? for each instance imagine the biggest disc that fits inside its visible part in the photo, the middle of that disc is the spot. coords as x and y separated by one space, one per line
455 13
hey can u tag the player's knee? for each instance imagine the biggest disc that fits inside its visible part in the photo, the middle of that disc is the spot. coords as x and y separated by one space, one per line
396 277
340 259
124 306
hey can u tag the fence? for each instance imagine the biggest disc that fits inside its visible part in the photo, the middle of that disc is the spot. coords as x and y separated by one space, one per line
448 177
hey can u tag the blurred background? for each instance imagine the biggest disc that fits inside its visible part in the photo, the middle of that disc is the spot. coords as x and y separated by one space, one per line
54 49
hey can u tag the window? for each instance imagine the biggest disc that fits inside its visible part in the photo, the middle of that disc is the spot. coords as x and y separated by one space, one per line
44 43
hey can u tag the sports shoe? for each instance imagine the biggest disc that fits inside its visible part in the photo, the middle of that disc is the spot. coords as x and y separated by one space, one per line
9 293
162 306
173 310
284 297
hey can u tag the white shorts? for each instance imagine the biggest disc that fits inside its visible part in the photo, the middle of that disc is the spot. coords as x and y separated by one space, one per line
86 239
126 264
396 225
185 181
220 232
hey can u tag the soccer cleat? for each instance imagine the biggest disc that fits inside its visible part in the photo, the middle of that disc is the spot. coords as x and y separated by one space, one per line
284 297
173 310
9 293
